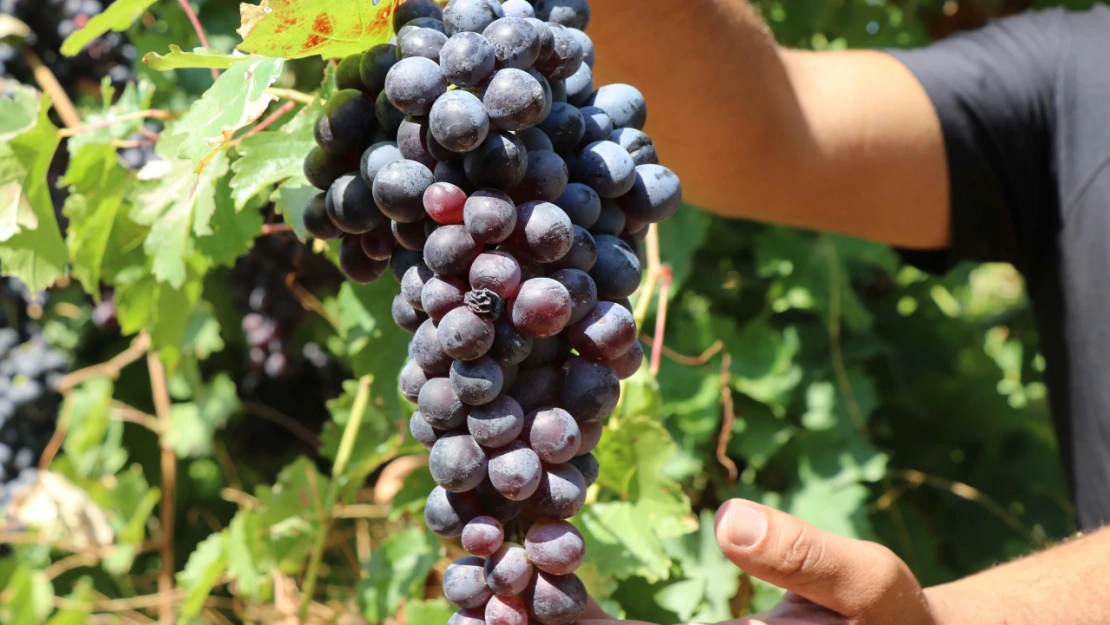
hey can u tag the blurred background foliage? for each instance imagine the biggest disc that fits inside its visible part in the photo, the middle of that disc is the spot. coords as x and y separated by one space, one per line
812 372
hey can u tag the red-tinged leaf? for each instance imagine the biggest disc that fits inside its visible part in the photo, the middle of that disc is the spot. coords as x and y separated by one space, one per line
293 29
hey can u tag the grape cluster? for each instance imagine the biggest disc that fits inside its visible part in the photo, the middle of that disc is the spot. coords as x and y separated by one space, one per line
29 373
473 159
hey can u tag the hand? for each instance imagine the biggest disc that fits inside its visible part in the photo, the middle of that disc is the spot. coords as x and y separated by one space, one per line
831 580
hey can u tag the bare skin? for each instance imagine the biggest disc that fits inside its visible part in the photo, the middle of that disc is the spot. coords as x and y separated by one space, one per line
838 141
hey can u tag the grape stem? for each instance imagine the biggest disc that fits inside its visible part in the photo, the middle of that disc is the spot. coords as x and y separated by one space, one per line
342 458
49 83
199 29
116 119
291 94
654 269
161 396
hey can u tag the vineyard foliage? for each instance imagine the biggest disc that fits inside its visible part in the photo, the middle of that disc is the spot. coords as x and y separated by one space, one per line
812 372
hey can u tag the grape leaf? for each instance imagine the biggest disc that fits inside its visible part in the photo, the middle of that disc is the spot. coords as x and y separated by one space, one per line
712 580
197 58
117 16
33 249
94 441
144 302
290 199
293 29
236 99
97 185
19 110
204 568
231 231
136 97
194 424
250 559
78 608
267 158
429 612
396 571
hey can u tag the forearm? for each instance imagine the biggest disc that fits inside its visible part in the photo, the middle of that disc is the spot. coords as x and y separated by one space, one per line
1062 586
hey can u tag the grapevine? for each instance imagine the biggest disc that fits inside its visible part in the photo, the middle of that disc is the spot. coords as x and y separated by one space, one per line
510 199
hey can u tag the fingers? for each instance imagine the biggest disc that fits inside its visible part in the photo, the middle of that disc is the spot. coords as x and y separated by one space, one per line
841 574
594 612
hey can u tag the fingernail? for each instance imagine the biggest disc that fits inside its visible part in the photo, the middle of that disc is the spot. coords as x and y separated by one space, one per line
746 524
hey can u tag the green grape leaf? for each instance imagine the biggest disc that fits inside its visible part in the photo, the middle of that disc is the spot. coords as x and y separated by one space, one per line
249 557
19 110
194 424
293 29
205 58
231 231
94 441
75 613
712 580
290 510
136 97
290 200
117 16
269 157
396 572
30 597
621 542
176 203
429 612
144 302
376 442
680 238
33 249
128 500
97 186
236 99
205 566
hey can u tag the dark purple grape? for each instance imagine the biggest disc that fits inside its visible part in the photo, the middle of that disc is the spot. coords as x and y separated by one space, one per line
404 315
515 42
598 127
582 255
536 387
489 216
497 271
515 471
508 571
553 434
454 173
617 272
583 293
464 582
591 436
450 250
611 221
412 284
379 242
470 15
424 348
422 431
412 378
547 38
356 265
413 141
581 203
589 390
534 139
510 346
588 466
447 513
467 59
607 168
564 126
421 42
350 205
457 463
555 547
316 220
389 117
458 121
375 65
545 180
542 308
549 95
495 505
413 9
509 373
561 492
412 236
556 599
606 332
413 84
518 8
401 261
477 382
543 231
346 123
627 365
544 352
483 537
637 143
465 335
580 86
440 405
566 55
513 99
497 423
375 158
507 610
323 169
569 13
347 73
399 190
656 194
468 617
624 104
589 54
499 163
441 295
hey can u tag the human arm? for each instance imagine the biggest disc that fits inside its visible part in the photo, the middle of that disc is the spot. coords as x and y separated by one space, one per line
840 141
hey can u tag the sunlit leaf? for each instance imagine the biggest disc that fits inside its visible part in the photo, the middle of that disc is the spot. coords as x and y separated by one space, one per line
293 29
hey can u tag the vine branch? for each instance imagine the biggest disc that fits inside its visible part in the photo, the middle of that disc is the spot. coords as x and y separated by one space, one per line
169 479
185 6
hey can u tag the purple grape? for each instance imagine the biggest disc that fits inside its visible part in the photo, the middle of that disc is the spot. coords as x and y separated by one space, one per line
510 346
605 332
565 127
509 373
542 308
412 378
508 571
556 599
515 42
470 15
611 221
515 471
350 205
399 190
555 547
499 163
536 388
588 466
598 127
412 236
356 265
581 204
483 537
379 242
534 139
346 123
405 316
447 513
323 169
566 55
624 104
440 405
477 382
637 143
543 232
441 295
570 13
589 390
413 84
607 168
465 335
412 284
507 610
627 365
375 66
495 505
389 117
553 434
656 194
413 9
544 352
580 86
545 180
422 42
457 463
583 293
458 121
422 431
464 582
467 59
591 436
413 142
587 44
489 216
425 350
582 255
497 271
450 250
401 261
317 222
375 158
514 99
468 617
617 272
561 492
547 38
497 423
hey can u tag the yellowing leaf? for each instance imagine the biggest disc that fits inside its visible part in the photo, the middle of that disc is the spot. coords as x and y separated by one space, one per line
293 29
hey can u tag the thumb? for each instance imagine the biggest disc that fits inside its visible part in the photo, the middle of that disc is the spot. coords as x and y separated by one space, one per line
841 574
